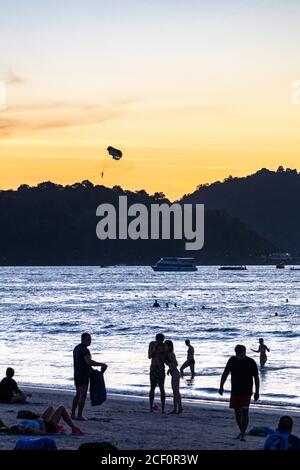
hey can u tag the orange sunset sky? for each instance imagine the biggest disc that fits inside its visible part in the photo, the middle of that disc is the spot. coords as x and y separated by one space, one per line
190 91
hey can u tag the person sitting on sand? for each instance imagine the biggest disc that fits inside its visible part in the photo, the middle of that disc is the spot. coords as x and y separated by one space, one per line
172 363
48 423
9 391
156 304
242 369
281 438
190 362
157 353
82 362
262 350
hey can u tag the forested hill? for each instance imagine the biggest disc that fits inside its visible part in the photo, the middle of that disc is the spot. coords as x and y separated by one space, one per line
52 224
268 201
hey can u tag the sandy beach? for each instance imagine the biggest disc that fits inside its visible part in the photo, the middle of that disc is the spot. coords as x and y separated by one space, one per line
126 423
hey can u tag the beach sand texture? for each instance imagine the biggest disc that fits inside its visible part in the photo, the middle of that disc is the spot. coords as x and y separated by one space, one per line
127 423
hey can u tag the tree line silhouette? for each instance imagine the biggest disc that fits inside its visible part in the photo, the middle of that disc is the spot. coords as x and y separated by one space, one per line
51 224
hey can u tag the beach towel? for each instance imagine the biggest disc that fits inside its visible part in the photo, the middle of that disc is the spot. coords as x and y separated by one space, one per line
35 443
97 388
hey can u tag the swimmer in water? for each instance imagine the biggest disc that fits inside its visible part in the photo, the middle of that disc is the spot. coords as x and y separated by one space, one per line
262 350
156 304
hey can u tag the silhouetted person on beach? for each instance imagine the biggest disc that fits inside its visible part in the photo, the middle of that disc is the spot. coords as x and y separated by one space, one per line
48 423
190 362
156 304
157 352
242 369
9 391
281 438
82 361
262 350
172 363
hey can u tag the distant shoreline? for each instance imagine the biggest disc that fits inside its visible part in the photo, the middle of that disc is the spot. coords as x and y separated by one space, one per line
198 401
215 264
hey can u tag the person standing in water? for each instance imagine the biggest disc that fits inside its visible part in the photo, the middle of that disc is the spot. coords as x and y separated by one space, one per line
172 363
262 350
190 362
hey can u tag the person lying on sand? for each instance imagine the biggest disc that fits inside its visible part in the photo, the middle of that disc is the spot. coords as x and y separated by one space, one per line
9 391
47 424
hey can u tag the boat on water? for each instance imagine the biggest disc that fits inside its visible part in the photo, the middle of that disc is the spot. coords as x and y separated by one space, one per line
233 268
280 265
294 269
175 265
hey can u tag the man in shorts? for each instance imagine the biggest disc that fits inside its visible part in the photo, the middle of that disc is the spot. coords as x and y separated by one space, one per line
242 369
157 353
82 361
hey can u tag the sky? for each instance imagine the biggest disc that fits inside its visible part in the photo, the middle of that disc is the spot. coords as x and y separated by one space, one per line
191 91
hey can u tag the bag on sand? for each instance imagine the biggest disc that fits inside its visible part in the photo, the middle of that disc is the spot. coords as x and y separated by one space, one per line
97 447
36 443
260 431
27 414
97 387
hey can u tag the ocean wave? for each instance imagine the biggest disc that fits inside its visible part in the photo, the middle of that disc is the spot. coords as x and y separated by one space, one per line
220 330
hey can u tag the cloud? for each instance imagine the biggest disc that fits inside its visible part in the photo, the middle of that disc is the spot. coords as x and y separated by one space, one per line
53 116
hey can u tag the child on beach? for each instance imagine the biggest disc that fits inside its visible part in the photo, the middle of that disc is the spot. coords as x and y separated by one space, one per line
262 350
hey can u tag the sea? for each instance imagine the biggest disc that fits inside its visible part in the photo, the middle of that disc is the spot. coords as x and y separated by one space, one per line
44 310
